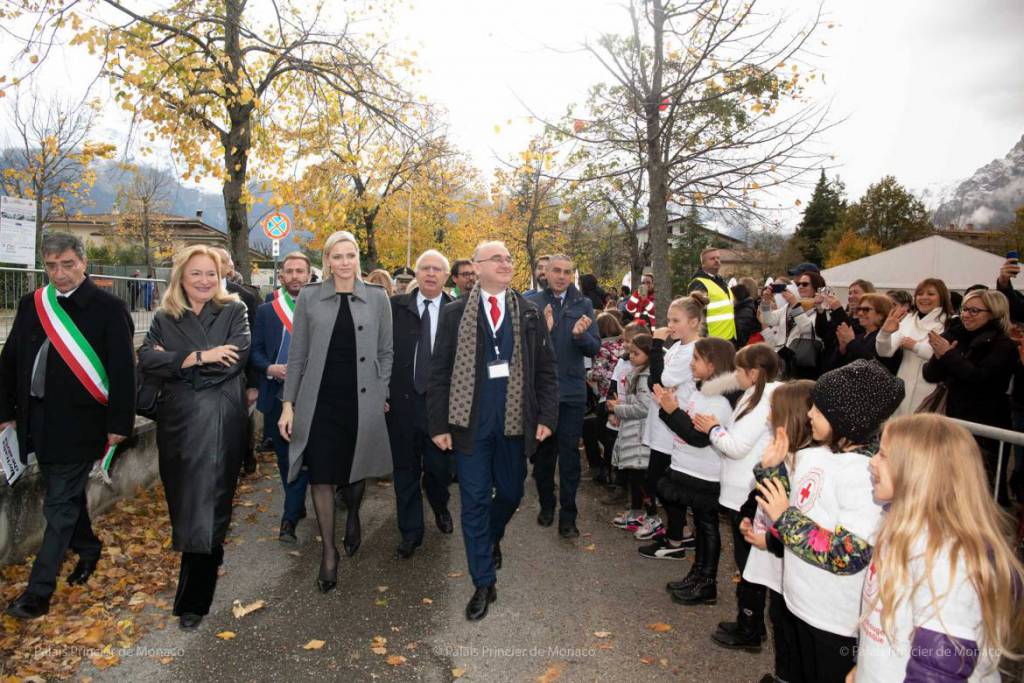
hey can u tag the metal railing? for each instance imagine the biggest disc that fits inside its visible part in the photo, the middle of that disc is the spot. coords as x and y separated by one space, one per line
1003 436
142 295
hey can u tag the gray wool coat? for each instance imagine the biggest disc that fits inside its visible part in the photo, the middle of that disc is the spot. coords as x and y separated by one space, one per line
315 313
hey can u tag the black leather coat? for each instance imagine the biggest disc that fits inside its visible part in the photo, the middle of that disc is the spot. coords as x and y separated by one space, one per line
201 420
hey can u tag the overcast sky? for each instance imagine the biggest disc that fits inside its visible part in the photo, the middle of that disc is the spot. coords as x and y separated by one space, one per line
930 90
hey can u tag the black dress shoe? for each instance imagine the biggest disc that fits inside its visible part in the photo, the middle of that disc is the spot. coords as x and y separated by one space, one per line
287 534
546 517
482 597
443 519
82 571
569 531
496 555
28 606
250 464
189 621
326 585
406 549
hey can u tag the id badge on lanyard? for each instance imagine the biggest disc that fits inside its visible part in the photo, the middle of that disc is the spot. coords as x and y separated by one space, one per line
498 368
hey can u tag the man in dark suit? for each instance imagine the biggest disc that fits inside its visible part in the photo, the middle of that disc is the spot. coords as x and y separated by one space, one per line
67 386
271 339
569 316
252 378
415 319
492 395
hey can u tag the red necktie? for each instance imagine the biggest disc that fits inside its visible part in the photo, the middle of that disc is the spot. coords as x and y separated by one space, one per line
495 313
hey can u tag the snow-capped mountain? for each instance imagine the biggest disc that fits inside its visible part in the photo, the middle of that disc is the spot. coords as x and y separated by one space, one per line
988 199
934 195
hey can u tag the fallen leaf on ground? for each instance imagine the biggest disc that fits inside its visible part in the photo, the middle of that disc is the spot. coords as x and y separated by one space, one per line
226 635
454 575
663 663
240 610
313 645
381 589
458 673
165 660
379 645
659 627
602 634
395 660
605 646
647 660
296 553
552 673
381 602
427 601
592 547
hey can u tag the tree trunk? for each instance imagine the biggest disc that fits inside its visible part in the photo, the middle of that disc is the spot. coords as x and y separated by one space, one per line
370 248
145 241
636 258
657 177
236 144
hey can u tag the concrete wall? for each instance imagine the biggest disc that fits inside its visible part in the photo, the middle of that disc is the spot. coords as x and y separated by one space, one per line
21 506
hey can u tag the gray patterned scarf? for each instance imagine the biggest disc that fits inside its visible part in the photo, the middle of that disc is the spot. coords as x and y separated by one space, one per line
460 400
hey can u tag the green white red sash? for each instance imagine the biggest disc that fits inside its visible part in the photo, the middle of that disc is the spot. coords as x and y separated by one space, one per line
284 306
77 352
71 344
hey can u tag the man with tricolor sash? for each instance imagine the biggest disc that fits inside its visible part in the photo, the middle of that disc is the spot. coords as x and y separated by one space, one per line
67 386
271 337
721 319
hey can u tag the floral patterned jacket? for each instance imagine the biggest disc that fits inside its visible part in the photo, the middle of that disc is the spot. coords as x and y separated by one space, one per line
835 550
604 363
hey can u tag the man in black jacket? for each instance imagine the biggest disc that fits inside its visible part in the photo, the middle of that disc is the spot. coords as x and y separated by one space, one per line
67 386
492 396
415 319
252 376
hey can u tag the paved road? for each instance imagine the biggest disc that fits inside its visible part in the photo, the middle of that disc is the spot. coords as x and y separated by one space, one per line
553 595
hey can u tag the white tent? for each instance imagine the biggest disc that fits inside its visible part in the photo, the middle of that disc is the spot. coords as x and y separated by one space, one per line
902 267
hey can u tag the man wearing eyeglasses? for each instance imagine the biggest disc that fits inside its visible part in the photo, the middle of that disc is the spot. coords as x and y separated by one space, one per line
463 277
417 460
491 397
569 316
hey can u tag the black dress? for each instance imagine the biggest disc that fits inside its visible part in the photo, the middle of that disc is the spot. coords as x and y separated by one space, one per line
332 435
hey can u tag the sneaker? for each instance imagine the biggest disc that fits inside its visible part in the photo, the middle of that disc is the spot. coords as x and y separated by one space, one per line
661 549
629 518
633 526
650 527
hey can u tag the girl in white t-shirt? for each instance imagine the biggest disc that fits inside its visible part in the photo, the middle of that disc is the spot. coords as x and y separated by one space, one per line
943 596
825 515
670 369
792 432
739 442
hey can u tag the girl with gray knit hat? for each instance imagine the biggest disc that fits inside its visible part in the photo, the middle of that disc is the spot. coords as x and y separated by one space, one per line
825 514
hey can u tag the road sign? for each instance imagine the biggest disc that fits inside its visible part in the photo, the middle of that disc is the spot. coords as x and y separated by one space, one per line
276 225
275 248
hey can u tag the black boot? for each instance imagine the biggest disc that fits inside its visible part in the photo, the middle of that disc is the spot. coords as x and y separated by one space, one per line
746 636
703 591
684 583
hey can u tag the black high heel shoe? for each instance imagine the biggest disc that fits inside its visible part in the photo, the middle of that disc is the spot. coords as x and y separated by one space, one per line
353 533
327 585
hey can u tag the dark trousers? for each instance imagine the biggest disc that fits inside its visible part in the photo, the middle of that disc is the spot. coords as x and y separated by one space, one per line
562 447
787 647
295 492
67 524
749 596
824 657
638 492
197 581
657 465
425 466
497 464
598 440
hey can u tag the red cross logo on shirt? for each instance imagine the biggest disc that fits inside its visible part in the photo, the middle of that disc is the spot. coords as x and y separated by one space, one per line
807 490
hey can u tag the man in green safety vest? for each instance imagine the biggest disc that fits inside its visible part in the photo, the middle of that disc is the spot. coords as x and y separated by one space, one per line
720 319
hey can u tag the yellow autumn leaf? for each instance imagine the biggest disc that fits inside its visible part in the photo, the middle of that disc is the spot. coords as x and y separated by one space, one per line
458 673
602 634
313 645
395 660
226 635
659 627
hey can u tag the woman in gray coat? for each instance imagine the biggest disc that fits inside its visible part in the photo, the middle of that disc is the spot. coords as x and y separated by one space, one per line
196 349
335 395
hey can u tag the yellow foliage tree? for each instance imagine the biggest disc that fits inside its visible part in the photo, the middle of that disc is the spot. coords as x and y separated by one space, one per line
850 247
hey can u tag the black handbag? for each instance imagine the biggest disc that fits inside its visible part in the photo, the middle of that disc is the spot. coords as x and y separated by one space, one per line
806 353
147 394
